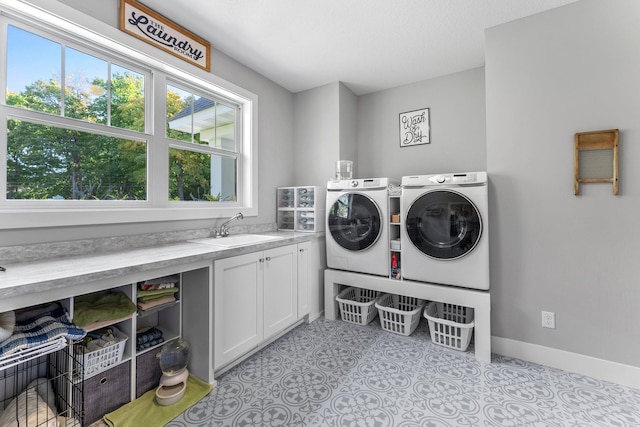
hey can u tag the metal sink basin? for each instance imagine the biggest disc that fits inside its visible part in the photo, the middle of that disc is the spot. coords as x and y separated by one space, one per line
236 240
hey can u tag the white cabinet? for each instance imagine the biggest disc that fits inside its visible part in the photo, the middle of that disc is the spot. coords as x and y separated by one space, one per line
255 297
301 208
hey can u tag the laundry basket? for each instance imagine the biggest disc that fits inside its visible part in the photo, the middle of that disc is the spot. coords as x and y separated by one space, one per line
399 314
450 325
357 305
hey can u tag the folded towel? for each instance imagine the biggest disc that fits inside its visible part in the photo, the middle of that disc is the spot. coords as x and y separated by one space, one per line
148 338
147 296
157 302
159 283
101 306
394 190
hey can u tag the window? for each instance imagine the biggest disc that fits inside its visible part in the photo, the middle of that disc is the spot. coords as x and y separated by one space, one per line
206 171
65 162
52 163
79 131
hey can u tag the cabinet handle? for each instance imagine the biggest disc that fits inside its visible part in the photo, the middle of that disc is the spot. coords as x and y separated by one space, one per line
301 250
268 258
261 260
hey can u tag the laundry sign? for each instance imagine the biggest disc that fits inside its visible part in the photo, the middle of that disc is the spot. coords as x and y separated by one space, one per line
414 128
141 22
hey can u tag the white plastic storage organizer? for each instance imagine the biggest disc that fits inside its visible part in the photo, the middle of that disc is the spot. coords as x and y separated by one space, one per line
357 305
450 325
399 314
301 209
98 360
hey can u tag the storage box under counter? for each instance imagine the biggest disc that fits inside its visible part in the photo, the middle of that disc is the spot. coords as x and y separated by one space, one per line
106 392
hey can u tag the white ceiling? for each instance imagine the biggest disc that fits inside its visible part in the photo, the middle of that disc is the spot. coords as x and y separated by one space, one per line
369 45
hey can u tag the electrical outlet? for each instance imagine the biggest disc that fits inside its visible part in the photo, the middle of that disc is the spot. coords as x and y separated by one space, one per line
548 319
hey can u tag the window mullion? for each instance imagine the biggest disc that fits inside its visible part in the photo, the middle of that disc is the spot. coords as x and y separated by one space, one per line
63 80
158 182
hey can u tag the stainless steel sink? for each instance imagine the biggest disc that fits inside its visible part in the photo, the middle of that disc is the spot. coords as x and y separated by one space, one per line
236 240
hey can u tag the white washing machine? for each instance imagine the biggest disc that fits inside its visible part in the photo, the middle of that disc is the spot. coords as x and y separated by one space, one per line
445 231
357 238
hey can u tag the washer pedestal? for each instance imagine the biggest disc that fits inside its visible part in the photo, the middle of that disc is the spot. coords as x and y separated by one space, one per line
480 301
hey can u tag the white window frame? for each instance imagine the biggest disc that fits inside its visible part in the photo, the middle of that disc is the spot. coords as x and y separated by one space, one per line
124 49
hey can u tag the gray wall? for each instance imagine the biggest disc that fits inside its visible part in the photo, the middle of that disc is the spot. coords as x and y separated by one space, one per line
573 69
457 112
316 134
324 131
348 127
275 133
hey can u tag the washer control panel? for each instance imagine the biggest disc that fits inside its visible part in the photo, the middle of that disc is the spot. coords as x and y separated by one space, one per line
364 184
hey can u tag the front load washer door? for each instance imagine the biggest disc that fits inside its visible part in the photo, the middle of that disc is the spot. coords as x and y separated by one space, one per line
354 221
444 224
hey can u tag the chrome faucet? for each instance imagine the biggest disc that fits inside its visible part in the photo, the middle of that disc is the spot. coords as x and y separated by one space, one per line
223 230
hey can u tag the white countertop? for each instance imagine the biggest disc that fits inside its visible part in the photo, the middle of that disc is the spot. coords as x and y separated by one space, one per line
47 275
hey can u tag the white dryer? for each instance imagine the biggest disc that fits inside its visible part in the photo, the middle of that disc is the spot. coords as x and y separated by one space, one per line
357 238
445 232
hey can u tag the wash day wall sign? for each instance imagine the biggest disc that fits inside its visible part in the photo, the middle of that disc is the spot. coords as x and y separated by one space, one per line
145 24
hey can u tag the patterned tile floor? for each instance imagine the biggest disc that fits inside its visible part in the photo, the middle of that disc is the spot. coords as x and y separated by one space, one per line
338 374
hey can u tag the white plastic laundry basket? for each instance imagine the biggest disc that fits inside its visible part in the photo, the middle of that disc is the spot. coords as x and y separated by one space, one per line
399 314
357 305
450 325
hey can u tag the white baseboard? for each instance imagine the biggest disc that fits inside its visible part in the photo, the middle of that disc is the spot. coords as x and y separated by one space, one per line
316 316
573 362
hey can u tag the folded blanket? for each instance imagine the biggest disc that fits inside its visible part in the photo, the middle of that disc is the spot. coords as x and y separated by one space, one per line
41 330
101 306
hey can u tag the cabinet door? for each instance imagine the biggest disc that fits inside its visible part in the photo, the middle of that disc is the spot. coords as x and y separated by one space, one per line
238 303
280 289
303 279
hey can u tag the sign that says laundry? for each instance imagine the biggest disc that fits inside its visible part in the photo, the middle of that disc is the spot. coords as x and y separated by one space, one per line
145 24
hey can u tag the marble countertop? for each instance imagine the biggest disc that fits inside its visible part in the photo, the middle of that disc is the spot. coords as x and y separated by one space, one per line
47 275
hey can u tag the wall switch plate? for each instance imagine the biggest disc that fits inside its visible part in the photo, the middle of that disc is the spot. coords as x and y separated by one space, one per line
548 319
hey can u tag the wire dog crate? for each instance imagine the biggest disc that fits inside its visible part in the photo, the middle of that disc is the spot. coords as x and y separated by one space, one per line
42 391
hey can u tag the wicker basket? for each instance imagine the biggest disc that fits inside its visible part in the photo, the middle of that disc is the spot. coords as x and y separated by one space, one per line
399 314
100 360
450 325
357 305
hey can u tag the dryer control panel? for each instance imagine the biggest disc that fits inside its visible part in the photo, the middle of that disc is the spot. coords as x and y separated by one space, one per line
467 178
